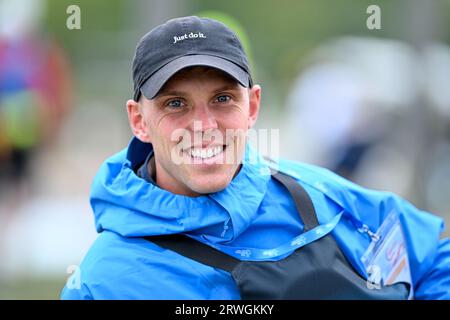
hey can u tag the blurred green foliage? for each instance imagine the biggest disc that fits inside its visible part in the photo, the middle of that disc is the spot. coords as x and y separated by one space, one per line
96 16
31 288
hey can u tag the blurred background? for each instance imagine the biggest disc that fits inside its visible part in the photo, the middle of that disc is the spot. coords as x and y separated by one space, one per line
372 105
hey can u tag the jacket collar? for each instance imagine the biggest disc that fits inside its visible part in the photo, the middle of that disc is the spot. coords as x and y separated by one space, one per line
219 216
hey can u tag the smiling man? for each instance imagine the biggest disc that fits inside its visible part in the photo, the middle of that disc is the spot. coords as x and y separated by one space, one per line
190 123
188 211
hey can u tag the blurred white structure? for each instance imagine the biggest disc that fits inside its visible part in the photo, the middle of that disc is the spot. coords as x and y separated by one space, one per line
20 17
383 97
46 236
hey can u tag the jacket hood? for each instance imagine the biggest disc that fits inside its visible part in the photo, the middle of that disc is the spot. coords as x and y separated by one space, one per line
130 206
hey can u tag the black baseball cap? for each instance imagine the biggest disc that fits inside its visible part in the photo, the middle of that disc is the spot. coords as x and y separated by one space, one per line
184 42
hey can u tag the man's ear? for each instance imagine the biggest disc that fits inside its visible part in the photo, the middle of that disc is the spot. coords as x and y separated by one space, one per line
137 121
254 102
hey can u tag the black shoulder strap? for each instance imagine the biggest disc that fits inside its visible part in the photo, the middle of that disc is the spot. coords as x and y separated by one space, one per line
195 250
303 203
210 256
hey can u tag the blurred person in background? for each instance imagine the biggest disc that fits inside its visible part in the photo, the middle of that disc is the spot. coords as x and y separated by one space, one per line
367 96
387 112
178 221
35 94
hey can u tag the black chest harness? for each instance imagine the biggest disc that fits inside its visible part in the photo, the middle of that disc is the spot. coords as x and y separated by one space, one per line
318 270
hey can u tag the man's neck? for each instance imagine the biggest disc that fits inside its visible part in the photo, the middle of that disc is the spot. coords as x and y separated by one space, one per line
151 168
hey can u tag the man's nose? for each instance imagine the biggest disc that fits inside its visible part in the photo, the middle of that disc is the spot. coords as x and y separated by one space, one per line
204 119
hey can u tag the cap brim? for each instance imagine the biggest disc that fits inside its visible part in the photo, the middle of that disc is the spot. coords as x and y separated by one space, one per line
152 85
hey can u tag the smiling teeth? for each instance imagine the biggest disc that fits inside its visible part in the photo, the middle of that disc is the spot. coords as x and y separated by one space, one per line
206 152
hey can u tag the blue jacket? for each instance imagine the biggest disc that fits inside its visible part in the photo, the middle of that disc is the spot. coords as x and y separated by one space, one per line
254 211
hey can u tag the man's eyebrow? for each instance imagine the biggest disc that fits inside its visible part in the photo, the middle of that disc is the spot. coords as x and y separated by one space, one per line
228 86
163 93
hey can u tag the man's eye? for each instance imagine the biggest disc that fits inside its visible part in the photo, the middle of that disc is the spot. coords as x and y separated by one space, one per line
176 103
223 98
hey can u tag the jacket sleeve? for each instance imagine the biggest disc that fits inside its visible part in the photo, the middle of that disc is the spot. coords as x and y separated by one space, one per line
75 293
435 283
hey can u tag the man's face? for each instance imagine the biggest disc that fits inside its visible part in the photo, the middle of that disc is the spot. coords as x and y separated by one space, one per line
197 125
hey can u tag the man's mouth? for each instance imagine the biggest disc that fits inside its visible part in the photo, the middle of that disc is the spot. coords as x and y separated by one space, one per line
205 153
